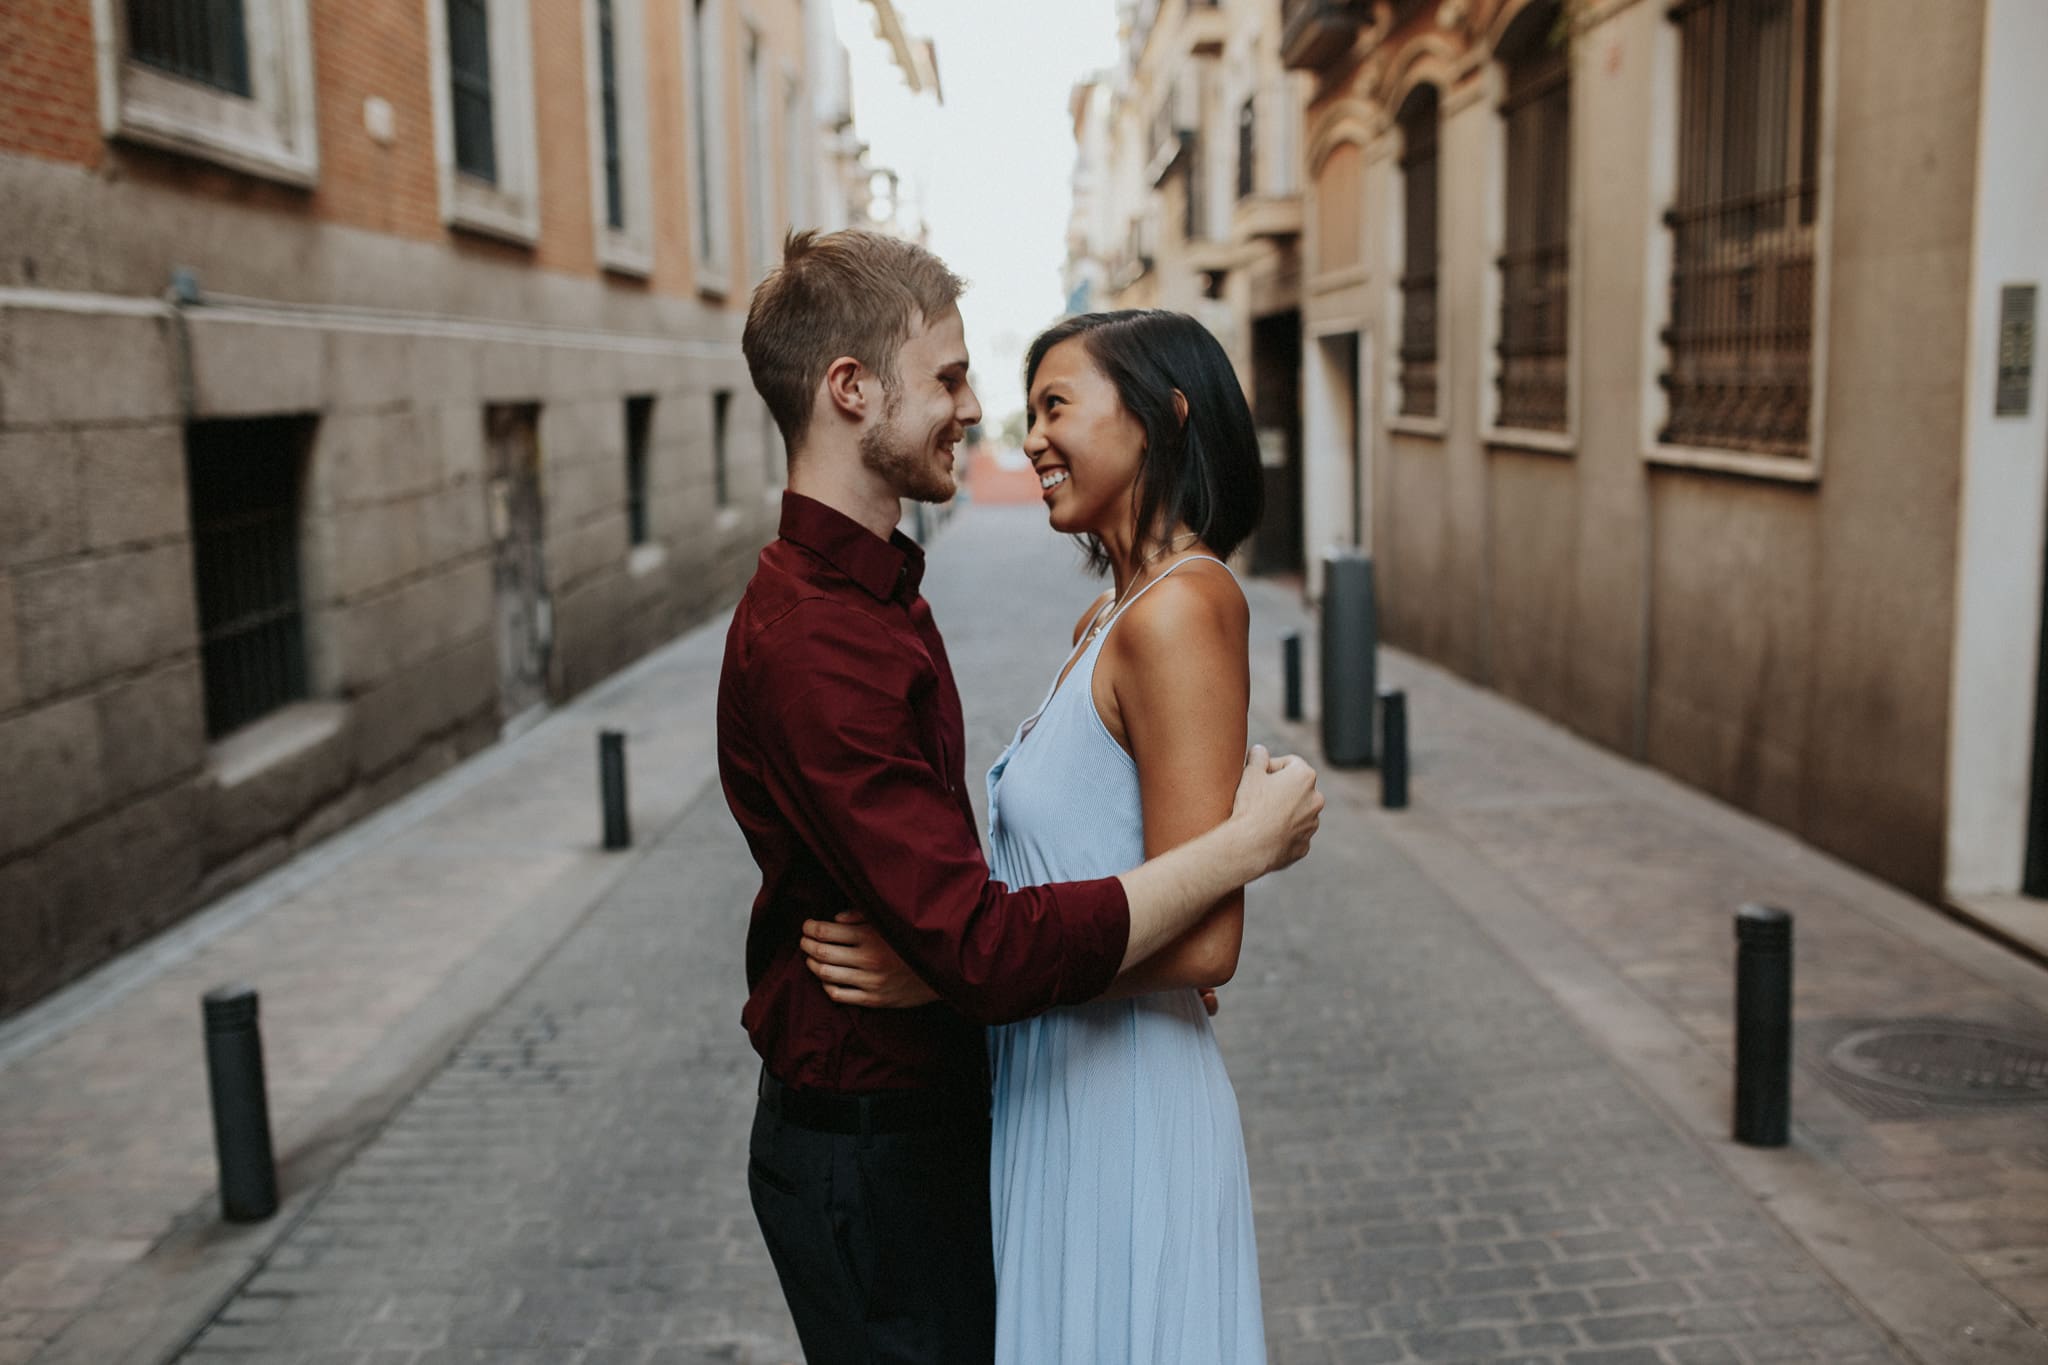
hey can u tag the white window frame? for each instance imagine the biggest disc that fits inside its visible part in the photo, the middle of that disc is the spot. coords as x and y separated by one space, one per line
273 133
756 71
628 250
704 114
799 156
509 209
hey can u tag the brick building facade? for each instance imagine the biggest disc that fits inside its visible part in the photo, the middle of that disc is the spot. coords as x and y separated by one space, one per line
369 379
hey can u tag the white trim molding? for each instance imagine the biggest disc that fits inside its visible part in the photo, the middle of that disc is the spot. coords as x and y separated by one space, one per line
629 249
1537 442
510 207
1409 424
764 170
272 133
708 159
2002 535
1776 468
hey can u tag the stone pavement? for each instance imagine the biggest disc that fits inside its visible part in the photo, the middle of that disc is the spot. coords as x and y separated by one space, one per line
375 953
1482 1094
1637 877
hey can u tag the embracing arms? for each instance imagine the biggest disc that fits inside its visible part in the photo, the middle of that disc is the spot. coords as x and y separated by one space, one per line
1175 692
863 779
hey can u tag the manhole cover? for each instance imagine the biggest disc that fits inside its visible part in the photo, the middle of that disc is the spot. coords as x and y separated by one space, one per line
1946 1061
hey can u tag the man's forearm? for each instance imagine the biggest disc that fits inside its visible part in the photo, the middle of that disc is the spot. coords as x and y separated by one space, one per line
1169 894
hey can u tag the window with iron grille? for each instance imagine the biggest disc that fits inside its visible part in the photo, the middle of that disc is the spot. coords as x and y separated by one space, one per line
201 40
243 479
469 88
608 100
1535 266
639 430
1418 120
1247 149
721 419
1740 341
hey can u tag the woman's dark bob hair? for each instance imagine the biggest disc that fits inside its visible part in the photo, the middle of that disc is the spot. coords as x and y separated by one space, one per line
1203 473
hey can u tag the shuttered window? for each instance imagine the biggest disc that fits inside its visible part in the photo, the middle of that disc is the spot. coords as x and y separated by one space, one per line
469 88
1419 367
721 420
201 40
1247 149
608 98
639 434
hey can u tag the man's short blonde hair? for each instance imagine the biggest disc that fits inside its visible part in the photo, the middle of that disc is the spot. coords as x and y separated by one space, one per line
851 292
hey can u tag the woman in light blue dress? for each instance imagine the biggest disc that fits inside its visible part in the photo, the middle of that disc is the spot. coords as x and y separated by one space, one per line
1119 1191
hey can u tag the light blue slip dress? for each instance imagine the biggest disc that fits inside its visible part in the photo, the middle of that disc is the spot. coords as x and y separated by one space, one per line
1122 1204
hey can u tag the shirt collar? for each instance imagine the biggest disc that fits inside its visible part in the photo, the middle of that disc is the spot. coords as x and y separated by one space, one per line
891 569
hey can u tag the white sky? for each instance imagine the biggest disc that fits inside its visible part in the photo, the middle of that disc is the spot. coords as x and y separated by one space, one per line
990 169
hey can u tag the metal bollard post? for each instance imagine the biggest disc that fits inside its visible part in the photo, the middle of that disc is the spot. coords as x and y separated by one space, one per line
1394 749
1290 668
611 763
241 1111
1348 655
1763 1026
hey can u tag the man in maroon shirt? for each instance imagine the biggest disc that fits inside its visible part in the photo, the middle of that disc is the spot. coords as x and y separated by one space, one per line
842 754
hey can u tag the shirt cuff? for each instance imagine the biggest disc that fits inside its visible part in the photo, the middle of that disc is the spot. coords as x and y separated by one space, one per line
1098 923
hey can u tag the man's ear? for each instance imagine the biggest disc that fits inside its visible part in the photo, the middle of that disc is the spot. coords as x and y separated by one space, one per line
1180 406
843 378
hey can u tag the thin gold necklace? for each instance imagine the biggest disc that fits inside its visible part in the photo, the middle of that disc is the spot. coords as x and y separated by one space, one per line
1130 589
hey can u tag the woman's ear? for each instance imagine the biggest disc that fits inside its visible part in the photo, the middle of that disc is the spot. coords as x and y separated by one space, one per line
843 386
1180 406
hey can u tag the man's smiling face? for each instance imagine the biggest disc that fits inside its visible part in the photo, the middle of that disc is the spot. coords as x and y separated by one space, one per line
925 413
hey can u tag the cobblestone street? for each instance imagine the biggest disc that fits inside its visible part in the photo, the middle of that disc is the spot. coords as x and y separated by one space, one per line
1446 1167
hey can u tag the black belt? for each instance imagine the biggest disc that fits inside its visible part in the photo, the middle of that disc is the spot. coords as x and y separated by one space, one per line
893 1111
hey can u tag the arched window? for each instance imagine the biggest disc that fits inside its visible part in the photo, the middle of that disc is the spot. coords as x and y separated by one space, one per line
1418 120
1535 262
1740 343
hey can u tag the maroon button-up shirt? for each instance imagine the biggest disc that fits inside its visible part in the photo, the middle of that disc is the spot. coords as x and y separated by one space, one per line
843 753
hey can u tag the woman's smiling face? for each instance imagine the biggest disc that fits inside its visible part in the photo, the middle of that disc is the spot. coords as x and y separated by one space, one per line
1085 445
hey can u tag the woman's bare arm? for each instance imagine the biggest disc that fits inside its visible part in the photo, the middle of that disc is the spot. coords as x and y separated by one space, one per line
1173 687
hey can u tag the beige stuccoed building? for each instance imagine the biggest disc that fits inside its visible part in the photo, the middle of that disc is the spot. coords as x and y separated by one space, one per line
1188 196
1674 363
369 380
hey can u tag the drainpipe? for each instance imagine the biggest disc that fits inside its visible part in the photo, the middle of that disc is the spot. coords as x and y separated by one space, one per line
182 296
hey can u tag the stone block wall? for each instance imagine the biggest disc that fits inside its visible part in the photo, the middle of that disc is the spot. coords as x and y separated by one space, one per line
119 815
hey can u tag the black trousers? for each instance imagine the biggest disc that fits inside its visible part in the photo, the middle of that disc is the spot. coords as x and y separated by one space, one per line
881 1241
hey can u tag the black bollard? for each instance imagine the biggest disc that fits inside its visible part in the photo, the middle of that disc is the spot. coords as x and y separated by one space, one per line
611 766
1290 669
1763 1026
241 1111
1394 749
1348 654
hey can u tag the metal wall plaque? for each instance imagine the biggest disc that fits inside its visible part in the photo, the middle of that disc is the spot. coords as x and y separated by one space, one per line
2015 349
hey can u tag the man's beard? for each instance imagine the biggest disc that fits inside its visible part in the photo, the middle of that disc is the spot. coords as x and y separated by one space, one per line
904 465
